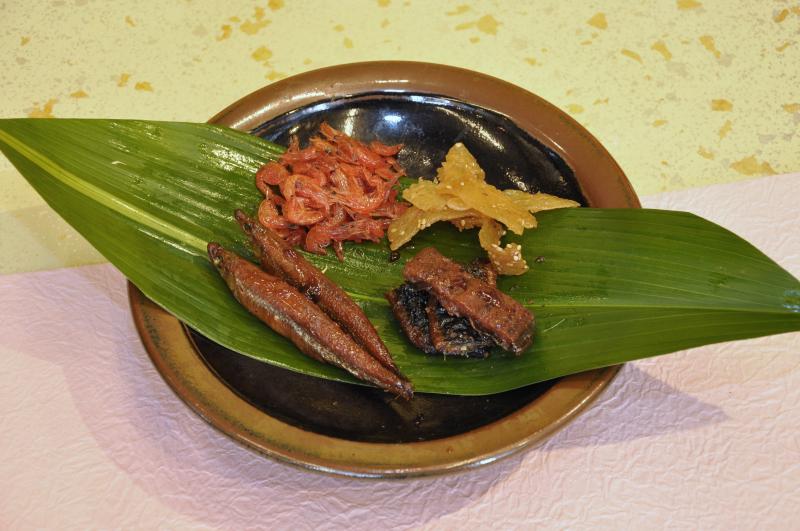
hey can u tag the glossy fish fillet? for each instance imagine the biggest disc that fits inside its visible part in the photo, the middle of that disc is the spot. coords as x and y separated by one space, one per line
431 329
293 316
279 259
488 309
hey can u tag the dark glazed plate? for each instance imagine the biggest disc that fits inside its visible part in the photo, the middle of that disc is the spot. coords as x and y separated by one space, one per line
428 126
521 141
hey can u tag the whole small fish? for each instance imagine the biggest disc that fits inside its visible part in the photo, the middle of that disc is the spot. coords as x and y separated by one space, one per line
295 317
279 259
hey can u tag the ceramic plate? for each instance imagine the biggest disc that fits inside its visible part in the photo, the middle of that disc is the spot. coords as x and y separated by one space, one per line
521 141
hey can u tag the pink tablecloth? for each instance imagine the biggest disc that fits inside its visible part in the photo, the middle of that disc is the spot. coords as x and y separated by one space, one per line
93 438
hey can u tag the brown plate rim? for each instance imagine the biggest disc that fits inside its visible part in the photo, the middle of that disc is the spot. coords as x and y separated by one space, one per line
601 180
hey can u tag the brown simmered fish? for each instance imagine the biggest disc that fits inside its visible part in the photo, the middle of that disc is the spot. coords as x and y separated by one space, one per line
488 309
295 317
482 269
279 259
431 329
454 336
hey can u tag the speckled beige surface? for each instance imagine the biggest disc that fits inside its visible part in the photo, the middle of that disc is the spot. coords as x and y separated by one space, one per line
682 92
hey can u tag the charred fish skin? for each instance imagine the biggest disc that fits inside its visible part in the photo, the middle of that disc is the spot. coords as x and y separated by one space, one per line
488 309
409 306
455 336
431 329
289 313
279 259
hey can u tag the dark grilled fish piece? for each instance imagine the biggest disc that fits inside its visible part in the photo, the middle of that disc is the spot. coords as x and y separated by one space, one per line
454 336
488 309
409 306
279 259
292 315
431 329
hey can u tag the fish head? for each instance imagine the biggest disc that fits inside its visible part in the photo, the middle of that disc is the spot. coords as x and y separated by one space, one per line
222 259
245 222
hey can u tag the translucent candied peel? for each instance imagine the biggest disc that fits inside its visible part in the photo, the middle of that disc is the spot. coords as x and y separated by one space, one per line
461 176
538 202
472 221
458 165
494 204
423 194
413 220
508 260
461 195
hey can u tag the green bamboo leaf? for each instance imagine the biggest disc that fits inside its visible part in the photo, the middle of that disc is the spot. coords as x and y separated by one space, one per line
611 285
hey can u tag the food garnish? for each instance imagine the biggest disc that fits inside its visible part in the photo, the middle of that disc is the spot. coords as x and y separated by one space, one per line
461 293
335 189
461 195
298 319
